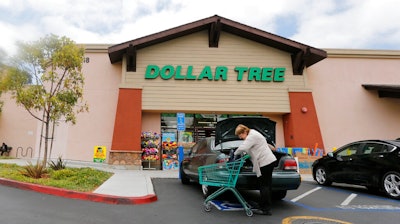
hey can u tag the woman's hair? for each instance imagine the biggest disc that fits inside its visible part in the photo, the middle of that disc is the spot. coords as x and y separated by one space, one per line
241 129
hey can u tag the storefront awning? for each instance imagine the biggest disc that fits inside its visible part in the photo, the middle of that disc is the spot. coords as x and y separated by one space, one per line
302 55
390 91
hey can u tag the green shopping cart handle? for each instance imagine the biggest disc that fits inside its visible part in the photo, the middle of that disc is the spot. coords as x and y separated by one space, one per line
247 156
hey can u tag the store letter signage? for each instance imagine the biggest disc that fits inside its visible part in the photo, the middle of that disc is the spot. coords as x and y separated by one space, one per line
261 74
219 73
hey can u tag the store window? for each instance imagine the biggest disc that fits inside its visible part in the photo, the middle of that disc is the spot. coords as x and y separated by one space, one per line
197 126
171 139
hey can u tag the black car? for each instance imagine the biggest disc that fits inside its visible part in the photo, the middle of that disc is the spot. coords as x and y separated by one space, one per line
219 149
374 164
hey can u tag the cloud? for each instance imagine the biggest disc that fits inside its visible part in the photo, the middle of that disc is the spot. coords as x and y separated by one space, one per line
355 24
368 24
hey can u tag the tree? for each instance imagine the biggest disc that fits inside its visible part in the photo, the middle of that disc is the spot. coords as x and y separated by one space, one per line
46 79
3 69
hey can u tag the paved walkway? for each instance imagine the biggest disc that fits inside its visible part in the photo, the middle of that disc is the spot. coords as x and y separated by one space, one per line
124 187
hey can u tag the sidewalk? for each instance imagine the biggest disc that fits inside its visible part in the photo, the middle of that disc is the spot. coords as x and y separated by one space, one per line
124 187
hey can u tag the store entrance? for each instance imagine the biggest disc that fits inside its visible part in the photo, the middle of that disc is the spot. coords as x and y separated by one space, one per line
197 126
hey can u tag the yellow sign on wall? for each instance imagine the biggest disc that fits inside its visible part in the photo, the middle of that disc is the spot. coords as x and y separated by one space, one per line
99 154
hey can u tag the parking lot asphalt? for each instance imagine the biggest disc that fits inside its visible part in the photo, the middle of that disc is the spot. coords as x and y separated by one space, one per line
125 186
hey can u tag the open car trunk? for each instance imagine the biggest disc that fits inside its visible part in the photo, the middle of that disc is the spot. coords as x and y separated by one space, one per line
225 129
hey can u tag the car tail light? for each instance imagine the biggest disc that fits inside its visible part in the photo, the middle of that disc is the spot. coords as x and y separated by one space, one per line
290 164
223 160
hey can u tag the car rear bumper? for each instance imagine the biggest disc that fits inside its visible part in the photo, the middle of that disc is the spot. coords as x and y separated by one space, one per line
285 180
281 180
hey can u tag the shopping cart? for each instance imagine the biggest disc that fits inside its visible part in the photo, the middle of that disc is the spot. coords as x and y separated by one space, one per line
223 175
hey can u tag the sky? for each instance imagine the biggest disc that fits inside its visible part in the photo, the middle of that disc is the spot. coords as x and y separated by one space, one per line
326 24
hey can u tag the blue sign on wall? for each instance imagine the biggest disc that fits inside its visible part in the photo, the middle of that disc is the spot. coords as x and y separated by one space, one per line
180 121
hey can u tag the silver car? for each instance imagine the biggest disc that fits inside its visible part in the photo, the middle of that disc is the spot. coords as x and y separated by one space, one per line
219 149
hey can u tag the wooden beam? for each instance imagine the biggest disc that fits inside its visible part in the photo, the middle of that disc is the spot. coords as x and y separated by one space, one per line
296 62
299 61
131 59
214 33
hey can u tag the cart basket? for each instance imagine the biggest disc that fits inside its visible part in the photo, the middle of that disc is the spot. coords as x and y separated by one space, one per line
221 174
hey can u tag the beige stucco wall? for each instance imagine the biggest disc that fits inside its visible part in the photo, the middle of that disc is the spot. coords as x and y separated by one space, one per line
17 128
102 81
346 111
73 142
151 122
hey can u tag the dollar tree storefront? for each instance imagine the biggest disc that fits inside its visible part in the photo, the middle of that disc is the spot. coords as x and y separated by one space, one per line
206 71
149 95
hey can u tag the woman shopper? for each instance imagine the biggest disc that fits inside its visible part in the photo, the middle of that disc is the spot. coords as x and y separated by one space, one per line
263 160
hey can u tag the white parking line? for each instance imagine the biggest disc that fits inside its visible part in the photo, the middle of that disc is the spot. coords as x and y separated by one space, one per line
305 194
348 199
370 207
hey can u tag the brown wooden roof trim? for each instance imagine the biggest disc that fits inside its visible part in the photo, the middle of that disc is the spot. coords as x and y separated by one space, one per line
302 55
390 91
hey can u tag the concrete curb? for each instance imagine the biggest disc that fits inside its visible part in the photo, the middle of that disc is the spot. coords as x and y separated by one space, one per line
101 198
137 185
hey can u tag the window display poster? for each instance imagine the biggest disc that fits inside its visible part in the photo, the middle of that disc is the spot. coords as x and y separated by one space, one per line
168 137
169 144
186 136
170 164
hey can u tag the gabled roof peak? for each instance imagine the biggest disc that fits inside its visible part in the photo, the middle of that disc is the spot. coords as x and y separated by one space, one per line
302 55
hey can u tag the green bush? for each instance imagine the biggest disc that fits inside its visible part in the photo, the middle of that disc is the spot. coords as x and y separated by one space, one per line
78 179
35 171
58 165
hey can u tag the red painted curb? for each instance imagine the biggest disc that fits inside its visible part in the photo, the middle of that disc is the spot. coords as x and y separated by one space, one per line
108 199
